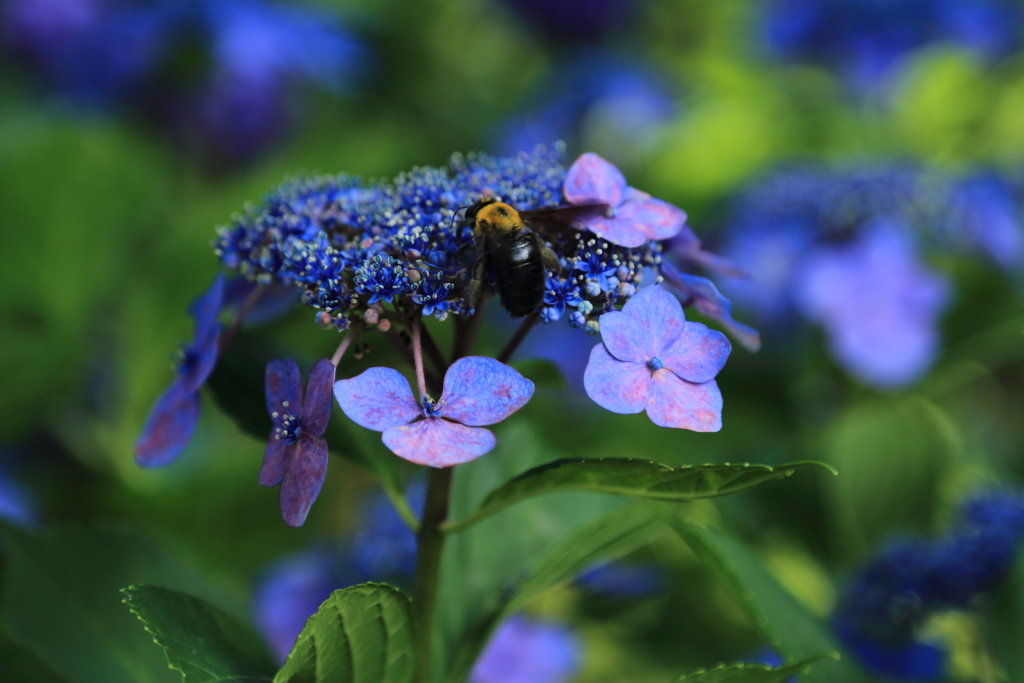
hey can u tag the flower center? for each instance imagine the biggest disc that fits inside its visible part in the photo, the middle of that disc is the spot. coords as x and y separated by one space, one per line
288 428
431 409
655 364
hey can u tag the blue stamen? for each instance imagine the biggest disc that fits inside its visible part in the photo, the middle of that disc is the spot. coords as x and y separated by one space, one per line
655 364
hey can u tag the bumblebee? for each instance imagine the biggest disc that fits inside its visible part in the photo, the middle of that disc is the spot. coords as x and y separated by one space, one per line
518 258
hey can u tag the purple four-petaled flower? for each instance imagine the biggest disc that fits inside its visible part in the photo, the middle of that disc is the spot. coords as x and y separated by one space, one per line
174 416
296 455
477 391
652 359
633 216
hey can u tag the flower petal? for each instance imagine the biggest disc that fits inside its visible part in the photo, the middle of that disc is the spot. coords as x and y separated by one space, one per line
698 355
660 316
205 358
624 233
283 385
657 219
674 402
303 478
378 399
438 443
626 338
206 307
168 428
483 391
591 178
275 460
615 385
273 302
702 294
316 409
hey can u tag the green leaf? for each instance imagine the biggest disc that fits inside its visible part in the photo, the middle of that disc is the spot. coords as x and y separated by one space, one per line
361 634
752 673
892 455
484 568
202 642
237 384
617 533
1005 622
543 373
630 477
62 600
782 621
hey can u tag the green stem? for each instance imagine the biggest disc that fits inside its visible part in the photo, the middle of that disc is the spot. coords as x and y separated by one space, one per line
430 543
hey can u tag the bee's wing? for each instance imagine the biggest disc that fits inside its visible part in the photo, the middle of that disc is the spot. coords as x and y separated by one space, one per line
560 218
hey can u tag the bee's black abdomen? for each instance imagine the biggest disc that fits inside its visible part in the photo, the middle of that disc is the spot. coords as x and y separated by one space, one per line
519 270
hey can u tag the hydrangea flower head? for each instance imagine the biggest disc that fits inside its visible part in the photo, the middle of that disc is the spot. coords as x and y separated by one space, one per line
355 247
524 650
478 391
296 454
653 359
911 578
253 57
867 41
173 418
633 217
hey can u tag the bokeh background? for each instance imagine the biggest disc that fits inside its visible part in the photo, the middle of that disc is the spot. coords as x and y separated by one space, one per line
858 165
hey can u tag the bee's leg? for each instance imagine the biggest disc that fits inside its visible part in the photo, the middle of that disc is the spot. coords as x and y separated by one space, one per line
549 257
472 292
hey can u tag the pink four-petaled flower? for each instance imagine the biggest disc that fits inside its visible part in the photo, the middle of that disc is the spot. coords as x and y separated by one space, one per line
633 216
477 391
652 359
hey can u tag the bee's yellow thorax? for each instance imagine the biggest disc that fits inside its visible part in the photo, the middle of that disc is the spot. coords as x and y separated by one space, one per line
498 217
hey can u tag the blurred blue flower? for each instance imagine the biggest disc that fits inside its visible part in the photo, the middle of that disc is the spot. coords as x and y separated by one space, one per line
220 75
173 418
593 95
623 580
291 589
879 305
296 453
384 547
798 232
97 52
17 504
911 578
985 215
523 650
867 40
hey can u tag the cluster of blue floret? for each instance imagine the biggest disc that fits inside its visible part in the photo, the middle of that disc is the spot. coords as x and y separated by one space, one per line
354 246
911 579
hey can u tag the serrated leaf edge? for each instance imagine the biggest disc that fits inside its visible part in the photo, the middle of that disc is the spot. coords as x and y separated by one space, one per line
772 473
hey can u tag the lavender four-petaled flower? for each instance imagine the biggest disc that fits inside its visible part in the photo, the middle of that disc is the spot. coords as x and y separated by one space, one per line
653 359
633 216
296 455
173 418
477 391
